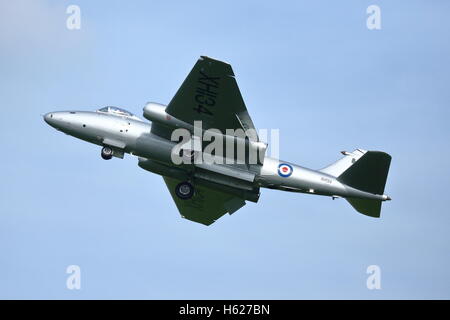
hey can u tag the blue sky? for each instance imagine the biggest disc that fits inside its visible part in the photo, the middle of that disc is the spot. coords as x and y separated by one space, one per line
311 69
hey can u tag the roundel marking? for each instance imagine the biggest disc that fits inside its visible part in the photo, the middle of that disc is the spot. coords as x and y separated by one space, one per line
285 170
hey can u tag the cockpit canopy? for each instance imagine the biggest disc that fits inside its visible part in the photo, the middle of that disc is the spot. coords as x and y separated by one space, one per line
117 111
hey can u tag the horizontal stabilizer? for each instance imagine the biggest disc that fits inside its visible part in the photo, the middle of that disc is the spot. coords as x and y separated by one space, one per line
371 208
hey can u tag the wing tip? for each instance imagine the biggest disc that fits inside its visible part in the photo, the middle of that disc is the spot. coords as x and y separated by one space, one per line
206 58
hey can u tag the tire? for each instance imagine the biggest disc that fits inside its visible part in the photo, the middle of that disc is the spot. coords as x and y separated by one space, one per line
184 190
107 153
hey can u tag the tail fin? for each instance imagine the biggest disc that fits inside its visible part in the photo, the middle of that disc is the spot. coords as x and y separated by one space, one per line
366 171
337 168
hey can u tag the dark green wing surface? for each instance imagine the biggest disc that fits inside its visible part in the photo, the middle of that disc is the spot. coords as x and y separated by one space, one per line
210 94
207 205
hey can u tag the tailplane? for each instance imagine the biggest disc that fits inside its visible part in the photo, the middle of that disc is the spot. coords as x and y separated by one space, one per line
368 207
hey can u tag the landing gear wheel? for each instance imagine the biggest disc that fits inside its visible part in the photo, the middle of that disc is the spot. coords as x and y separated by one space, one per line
184 190
107 153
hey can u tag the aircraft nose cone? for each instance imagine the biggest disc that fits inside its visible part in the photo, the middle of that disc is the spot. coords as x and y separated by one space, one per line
61 120
48 117
54 119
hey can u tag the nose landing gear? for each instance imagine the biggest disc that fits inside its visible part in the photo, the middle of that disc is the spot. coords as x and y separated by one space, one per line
184 190
106 153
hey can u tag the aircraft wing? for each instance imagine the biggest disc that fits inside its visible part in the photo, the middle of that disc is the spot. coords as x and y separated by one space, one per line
207 205
210 93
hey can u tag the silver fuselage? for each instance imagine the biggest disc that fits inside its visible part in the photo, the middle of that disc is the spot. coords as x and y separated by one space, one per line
133 135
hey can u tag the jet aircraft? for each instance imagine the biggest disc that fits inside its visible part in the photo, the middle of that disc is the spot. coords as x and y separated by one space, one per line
204 191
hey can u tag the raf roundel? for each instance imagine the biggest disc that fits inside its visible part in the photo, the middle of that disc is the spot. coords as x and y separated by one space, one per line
285 170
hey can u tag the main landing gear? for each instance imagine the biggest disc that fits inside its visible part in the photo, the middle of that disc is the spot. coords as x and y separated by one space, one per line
107 153
184 190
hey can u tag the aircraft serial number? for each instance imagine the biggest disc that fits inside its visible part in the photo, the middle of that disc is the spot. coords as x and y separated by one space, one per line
206 93
327 180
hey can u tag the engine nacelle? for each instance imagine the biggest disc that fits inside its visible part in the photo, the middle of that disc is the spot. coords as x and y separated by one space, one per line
161 169
156 112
